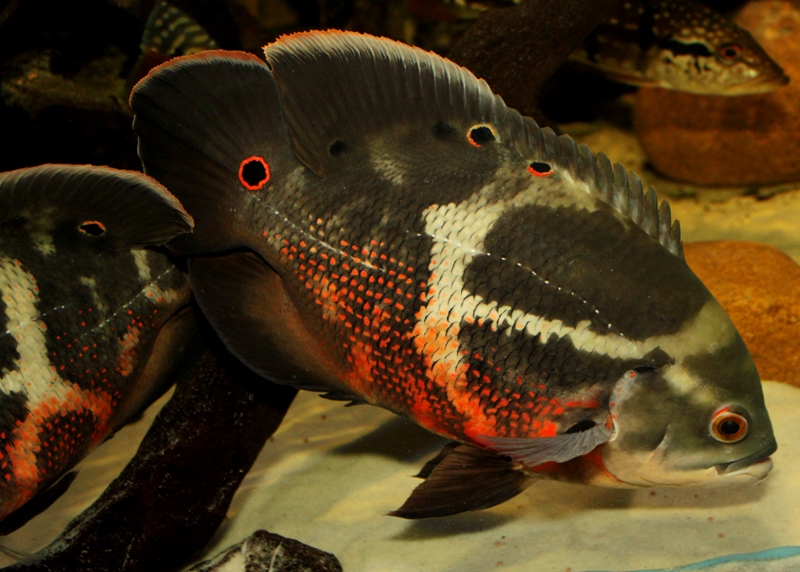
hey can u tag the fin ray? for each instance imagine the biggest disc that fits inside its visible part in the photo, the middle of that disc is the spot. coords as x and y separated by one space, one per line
463 478
198 118
559 449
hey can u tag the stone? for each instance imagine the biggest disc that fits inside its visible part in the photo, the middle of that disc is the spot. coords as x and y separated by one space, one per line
265 551
759 288
746 140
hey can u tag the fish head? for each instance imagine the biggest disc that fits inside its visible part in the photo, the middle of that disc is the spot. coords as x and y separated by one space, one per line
700 420
722 59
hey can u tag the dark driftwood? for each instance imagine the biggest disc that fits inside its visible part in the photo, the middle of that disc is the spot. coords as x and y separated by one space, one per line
171 498
516 49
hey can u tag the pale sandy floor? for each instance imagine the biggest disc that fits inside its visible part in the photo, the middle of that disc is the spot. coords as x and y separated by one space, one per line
332 472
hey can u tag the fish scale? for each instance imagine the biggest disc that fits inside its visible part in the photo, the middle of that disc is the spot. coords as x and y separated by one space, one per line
81 315
380 227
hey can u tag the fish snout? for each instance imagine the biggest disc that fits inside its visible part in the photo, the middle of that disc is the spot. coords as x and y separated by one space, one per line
756 465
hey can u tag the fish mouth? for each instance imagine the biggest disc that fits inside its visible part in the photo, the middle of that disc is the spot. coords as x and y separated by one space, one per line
756 465
763 84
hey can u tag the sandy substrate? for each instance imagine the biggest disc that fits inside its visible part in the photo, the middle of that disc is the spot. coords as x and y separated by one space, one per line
331 473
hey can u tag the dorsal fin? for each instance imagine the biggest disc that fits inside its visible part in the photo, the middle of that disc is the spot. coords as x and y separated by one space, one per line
389 84
121 209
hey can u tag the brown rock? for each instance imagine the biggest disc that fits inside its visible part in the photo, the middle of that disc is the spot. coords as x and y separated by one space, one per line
731 140
759 287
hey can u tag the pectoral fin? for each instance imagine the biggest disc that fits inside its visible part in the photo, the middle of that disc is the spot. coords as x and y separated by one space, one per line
463 478
559 449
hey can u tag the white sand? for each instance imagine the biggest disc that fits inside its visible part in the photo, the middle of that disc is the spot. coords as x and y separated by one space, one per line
328 482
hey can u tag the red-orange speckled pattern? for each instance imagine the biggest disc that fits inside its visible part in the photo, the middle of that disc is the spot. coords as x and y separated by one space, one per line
366 296
70 379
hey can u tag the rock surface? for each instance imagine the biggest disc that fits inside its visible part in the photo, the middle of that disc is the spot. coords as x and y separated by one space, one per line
759 287
747 140
268 552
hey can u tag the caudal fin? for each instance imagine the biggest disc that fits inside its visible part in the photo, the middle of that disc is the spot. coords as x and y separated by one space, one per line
115 209
211 129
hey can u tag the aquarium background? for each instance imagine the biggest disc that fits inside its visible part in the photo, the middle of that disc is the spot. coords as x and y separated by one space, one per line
730 167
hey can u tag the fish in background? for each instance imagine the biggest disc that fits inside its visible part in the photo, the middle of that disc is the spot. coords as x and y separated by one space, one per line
371 221
92 325
682 45
675 44
169 32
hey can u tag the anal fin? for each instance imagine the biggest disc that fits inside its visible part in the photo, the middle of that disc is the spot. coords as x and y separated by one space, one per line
246 303
463 478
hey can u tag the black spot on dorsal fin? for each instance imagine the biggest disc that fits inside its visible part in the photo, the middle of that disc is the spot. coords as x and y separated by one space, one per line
620 188
389 84
125 209
350 86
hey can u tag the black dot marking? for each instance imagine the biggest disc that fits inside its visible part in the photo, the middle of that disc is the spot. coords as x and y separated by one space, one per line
337 148
480 135
254 173
443 130
92 228
581 426
540 169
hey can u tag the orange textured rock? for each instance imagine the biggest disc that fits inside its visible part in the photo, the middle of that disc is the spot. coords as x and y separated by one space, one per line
759 287
743 140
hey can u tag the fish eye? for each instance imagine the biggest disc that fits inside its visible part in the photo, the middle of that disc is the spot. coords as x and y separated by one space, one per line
254 173
730 52
729 427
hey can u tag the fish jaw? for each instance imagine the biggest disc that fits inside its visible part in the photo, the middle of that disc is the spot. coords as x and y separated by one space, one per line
761 84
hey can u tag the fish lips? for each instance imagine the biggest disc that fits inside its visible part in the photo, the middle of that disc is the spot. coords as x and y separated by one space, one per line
758 465
763 84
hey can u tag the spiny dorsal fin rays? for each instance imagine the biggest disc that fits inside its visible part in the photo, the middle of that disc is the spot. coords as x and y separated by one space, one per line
402 84
624 191
621 188
389 84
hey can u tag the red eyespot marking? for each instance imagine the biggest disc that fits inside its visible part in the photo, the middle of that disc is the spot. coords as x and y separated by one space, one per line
93 228
539 169
479 135
254 173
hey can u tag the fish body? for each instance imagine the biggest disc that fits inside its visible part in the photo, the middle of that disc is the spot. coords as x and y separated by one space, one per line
168 32
682 45
89 319
373 222
675 44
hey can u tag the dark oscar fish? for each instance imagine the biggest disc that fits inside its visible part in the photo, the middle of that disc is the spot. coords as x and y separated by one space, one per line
674 44
373 222
682 45
90 320
169 32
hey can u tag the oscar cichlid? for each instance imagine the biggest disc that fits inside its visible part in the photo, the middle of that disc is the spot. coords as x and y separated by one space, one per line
373 222
91 326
